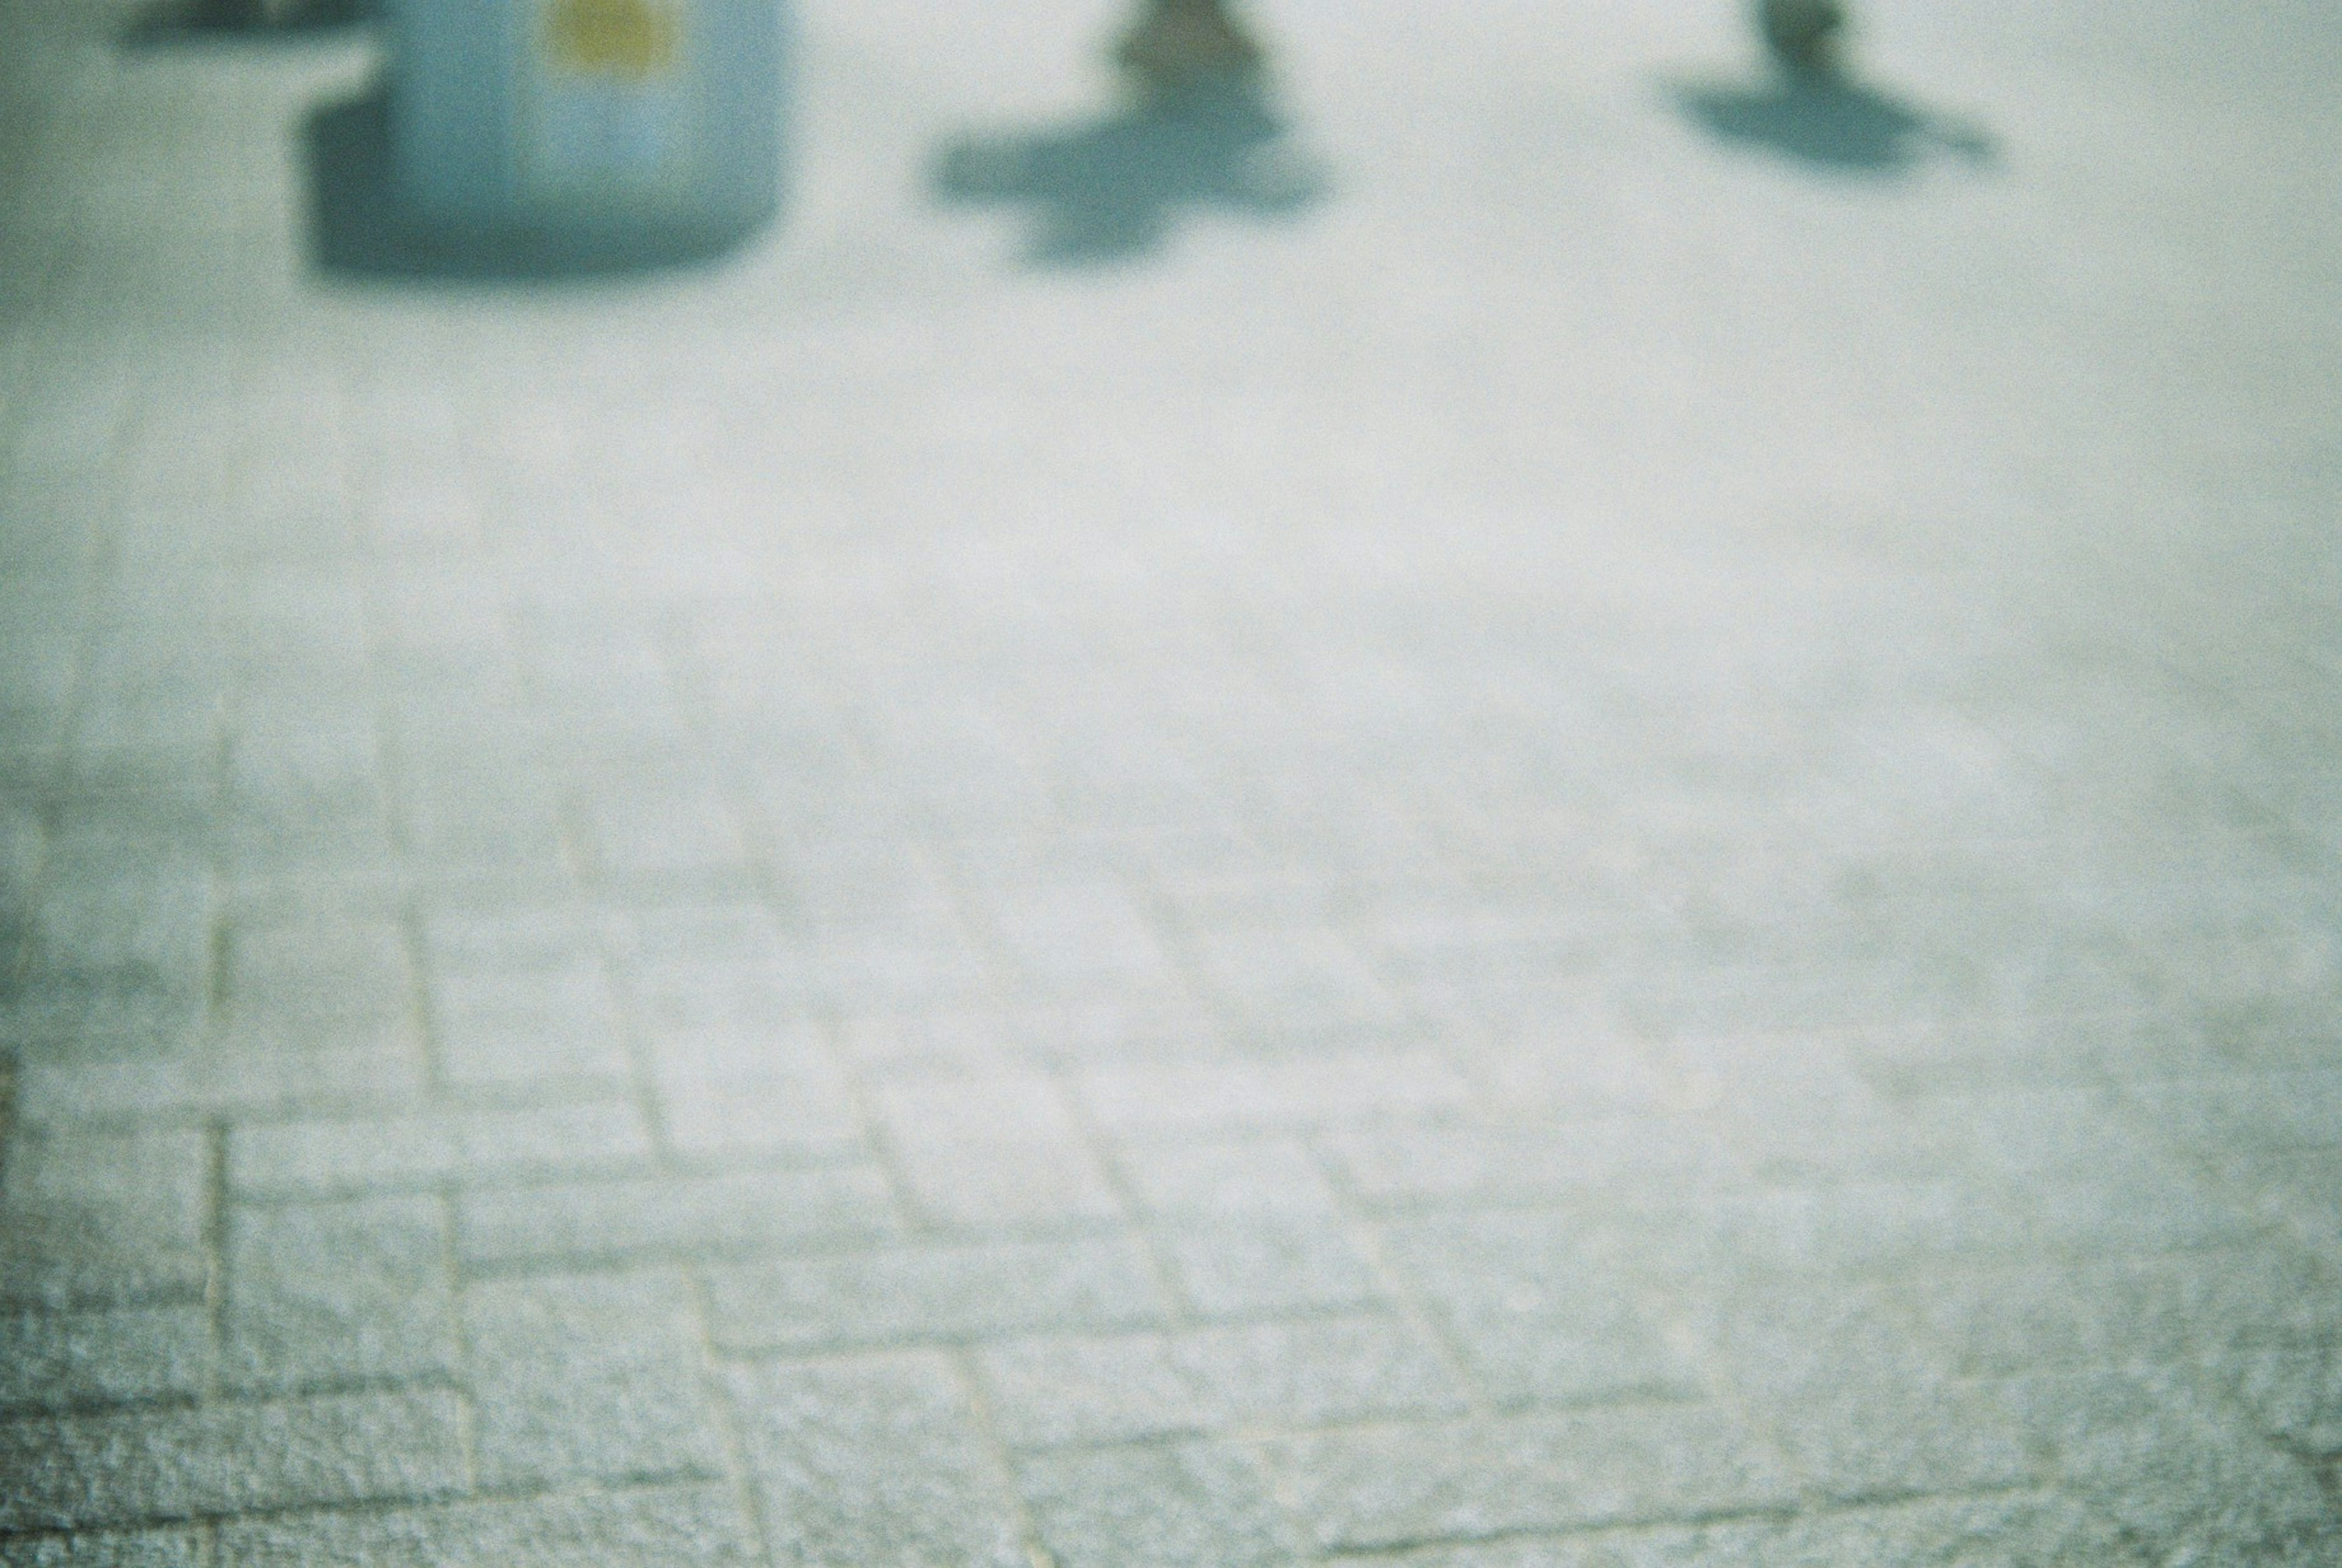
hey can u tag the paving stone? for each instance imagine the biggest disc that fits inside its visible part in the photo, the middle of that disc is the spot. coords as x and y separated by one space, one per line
321 1294
321 1157
1265 1265
1821 1125
1854 1227
2132 1212
2009 1530
57 1360
1853 1399
474 817
919 960
122 946
133 1466
946 1291
1543 1316
380 1072
1215 1098
540 1024
939 1043
2305 1189
1784 1337
1320 1371
1494 937
502 937
661 834
1190 1505
319 971
771 1091
2293 1392
1078 937
1061 1390
1855 1402
1066 1390
2109 1312
102 1217
587 1378
91 1549
294 773
742 1211
637 1528
874 1459
1412 1484
742 935
1246 1176
1649 1155
725 1016
1876 1439
1287 983
2015 1530
1567 1069
2047 1131
1003 1186
1229 875
946 1109
2248 1111
1919 1057
2172 1473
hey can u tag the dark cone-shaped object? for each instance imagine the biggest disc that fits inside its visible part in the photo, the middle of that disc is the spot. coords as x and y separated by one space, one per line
1803 34
1180 45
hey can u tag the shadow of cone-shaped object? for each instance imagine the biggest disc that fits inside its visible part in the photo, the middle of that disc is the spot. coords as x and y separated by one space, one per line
1110 188
205 21
1810 108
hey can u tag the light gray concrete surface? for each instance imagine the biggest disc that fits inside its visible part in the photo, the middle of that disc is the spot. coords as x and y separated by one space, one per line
1584 818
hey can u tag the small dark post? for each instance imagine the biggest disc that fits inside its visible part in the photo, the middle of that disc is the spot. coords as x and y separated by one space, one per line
1182 44
1803 34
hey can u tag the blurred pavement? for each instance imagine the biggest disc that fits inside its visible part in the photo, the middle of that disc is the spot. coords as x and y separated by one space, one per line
1553 812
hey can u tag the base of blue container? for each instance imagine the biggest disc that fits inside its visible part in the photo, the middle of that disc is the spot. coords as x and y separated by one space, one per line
363 224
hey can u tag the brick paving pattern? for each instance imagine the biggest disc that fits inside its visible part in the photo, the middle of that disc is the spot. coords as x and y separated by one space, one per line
1614 844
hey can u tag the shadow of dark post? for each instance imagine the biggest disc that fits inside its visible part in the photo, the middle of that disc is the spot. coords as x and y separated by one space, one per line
1111 188
1811 107
196 21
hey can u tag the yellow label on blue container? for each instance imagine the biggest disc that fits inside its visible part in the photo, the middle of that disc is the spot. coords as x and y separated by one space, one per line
633 40
606 100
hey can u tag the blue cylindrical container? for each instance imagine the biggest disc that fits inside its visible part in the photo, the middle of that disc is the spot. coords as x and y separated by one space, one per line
622 121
